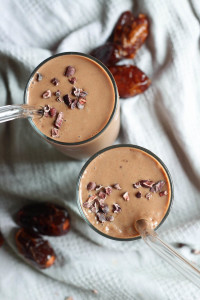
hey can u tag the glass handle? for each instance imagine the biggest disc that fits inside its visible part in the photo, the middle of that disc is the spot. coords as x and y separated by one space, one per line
168 253
11 112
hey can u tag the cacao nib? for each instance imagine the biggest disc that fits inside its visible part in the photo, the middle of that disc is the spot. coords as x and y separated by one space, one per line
46 110
90 201
108 190
101 202
101 217
109 218
46 94
1 239
34 248
72 80
55 132
46 218
156 187
102 195
80 106
52 112
67 100
117 186
82 101
195 251
78 92
55 81
163 193
95 207
83 93
126 196
104 208
59 120
91 186
74 104
138 194
137 185
116 208
57 93
146 183
148 196
70 71
39 77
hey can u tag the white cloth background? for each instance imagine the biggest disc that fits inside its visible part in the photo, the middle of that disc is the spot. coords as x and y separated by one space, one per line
165 119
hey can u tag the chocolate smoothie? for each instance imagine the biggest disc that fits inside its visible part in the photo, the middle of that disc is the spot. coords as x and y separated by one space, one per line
122 185
80 101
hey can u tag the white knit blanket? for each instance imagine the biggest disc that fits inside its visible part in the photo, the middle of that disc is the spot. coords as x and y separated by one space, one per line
165 119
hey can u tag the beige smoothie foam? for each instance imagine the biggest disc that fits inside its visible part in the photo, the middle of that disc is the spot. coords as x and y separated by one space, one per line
121 186
77 96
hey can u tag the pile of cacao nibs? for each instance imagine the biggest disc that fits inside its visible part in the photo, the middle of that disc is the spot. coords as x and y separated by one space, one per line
77 99
128 36
36 220
154 187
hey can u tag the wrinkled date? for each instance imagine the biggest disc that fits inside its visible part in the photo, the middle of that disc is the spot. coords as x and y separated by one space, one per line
130 33
45 218
128 36
130 80
1 239
34 248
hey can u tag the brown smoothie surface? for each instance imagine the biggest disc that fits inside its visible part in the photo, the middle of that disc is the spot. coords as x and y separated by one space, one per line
80 122
140 188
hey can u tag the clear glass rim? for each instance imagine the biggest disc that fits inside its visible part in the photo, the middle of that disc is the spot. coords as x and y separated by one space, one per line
114 87
118 146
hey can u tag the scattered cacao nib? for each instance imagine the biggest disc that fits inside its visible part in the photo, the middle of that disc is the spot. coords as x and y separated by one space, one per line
181 245
59 99
80 106
67 100
45 218
163 193
79 92
101 201
138 194
101 217
1 239
55 81
137 185
57 93
104 208
195 251
74 104
98 187
34 248
46 110
39 77
156 187
108 190
82 101
52 112
117 186
90 201
109 218
126 196
95 291
148 196
102 195
70 71
91 186
59 120
72 80
116 208
146 183
46 94
95 207
55 132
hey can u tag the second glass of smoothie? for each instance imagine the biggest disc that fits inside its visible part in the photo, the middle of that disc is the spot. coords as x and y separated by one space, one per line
81 103
120 185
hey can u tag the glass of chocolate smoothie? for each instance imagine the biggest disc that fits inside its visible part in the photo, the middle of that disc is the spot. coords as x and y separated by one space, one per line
80 101
120 185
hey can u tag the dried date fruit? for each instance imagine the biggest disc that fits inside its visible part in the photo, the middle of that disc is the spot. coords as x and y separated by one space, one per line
45 218
1 239
130 33
130 80
34 248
